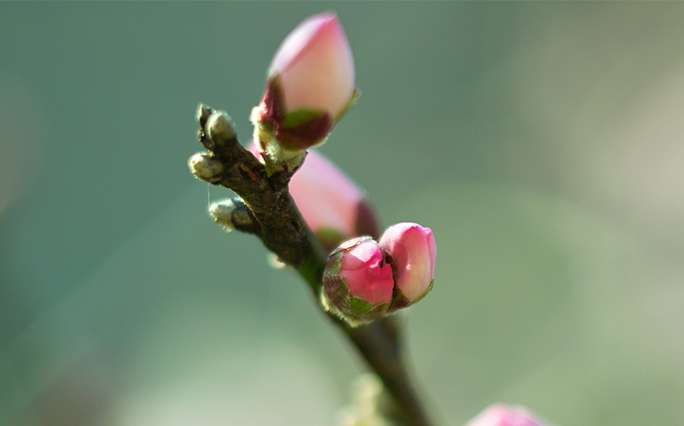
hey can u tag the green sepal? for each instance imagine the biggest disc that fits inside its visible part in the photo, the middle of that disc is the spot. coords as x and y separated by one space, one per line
355 312
301 116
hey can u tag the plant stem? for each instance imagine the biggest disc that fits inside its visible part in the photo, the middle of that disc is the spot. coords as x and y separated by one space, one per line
280 226
379 345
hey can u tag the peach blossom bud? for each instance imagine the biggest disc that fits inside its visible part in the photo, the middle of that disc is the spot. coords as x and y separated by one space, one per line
220 126
413 251
204 166
333 206
221 212
358 282
310 83
505 415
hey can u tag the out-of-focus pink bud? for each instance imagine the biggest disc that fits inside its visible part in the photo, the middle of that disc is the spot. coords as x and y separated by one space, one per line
330 202
310 83
413 251
358 282
505 415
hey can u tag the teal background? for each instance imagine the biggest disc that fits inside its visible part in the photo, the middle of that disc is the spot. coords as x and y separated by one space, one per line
543 143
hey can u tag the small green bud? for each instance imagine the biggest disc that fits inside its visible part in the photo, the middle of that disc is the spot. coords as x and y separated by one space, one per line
205 167
220 127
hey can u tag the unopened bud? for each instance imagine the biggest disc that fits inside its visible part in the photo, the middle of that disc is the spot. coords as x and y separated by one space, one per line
413 251
204 166
220 127
233 213
505 415
357 281
310 83
221 212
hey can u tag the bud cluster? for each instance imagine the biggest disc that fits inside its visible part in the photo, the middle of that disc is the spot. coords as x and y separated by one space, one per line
310 85
365 280
217 127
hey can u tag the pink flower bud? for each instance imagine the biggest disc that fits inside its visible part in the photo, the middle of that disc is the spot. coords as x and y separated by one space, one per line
413 251
330 202
358 282
310 83
505 415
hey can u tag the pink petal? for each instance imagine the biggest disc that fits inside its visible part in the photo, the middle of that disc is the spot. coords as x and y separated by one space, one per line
413 251
315 66
505 415
366 275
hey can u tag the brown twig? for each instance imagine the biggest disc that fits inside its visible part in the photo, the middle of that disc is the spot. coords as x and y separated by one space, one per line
282 230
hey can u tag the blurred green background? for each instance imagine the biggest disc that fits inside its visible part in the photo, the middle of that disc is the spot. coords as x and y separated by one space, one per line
542 142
